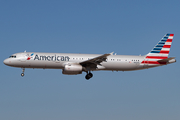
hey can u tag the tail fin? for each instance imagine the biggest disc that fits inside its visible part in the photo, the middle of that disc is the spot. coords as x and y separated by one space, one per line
161 50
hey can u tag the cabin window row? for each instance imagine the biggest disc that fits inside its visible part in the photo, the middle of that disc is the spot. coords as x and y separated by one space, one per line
107 59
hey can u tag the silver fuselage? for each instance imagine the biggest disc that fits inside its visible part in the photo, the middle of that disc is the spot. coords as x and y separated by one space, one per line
59 60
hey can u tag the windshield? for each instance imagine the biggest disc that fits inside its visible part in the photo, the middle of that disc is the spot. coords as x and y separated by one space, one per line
12 56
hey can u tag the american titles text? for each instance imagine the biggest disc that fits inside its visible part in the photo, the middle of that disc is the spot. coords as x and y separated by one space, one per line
51 58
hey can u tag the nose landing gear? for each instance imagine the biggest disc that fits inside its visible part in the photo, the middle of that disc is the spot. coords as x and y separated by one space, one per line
89 75
22 74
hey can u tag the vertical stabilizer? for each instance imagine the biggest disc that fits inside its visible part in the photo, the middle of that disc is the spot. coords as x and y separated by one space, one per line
160 51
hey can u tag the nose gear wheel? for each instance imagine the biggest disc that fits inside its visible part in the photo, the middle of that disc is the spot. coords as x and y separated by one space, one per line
22 74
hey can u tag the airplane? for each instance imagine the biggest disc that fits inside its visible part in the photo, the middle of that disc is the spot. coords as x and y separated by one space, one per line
73 64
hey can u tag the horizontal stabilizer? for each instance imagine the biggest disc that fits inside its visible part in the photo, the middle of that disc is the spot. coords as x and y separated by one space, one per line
167 60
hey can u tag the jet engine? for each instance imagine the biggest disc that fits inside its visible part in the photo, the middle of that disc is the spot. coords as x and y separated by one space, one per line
72 69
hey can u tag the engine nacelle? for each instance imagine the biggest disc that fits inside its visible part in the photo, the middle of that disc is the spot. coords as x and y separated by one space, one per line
72 69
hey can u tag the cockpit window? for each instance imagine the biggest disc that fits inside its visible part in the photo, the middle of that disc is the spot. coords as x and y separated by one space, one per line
12 56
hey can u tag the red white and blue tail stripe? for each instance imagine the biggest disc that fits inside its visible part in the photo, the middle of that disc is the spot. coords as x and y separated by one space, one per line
160 51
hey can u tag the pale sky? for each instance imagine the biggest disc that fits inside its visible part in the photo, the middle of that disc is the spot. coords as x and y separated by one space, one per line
126 27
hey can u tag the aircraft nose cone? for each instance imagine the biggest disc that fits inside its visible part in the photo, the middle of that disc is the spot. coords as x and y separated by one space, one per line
6 62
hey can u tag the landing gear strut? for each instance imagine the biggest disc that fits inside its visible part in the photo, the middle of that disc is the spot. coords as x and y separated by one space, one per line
89 75
22 74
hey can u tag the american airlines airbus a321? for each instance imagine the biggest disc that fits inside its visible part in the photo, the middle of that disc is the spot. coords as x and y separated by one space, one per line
73 64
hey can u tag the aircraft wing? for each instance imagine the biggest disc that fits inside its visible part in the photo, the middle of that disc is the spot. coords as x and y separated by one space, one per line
96 60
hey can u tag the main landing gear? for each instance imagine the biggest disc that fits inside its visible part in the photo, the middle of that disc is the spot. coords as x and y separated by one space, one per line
22 74
89 75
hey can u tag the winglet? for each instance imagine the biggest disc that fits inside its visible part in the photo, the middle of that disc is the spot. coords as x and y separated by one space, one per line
111 53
